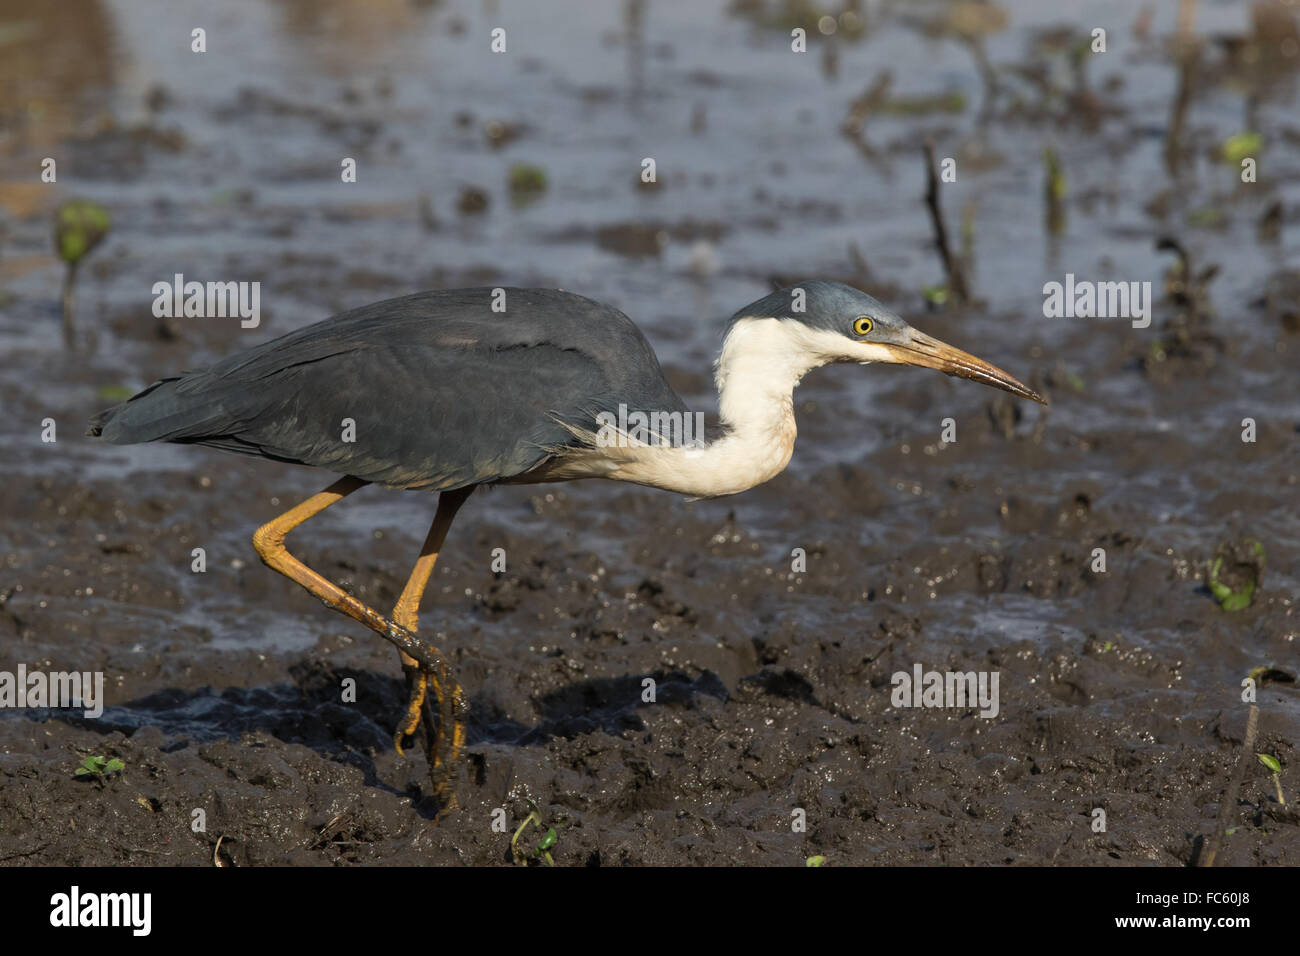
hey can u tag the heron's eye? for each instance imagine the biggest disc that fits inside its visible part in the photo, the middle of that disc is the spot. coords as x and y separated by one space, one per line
862 325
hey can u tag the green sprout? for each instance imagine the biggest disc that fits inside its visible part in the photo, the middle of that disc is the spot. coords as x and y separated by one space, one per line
1275 767
918 105
1265 674
1206 217
935 294
544 845
1233 584
815 861
79 226
114 393
1239 147
526 182
100 769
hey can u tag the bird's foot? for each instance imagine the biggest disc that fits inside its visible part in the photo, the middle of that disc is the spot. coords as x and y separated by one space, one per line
418 684
444 731
446 738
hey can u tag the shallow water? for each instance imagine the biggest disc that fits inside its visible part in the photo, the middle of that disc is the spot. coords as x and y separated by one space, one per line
972 552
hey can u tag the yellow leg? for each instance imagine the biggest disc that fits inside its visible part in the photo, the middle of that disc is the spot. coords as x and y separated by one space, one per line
269 542
407 614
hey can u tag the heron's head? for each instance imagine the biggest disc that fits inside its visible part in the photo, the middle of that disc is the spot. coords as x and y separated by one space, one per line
826 322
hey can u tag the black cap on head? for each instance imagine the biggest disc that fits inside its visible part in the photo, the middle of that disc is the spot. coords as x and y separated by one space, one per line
821 304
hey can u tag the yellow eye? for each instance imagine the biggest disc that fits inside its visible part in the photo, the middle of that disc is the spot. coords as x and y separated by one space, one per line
862 325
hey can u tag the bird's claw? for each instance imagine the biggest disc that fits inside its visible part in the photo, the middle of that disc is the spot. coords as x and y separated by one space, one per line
418 682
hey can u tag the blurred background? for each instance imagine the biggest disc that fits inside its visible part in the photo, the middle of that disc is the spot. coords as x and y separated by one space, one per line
524 169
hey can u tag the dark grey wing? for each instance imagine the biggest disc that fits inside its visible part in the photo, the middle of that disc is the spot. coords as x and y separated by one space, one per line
430 391
422 417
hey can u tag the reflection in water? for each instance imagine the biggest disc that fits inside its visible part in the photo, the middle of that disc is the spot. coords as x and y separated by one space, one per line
634 32
344 38
56 65
797 167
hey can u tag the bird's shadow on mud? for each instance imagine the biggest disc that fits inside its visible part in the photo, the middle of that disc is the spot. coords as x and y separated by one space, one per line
313 712
608 704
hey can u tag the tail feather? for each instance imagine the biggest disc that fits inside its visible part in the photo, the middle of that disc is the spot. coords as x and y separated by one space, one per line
162 412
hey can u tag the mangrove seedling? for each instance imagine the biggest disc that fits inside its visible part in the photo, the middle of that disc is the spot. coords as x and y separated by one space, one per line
936 295
1275 767
1270 675
544 845
527 179
100 769
79 226
1241 146
1235 574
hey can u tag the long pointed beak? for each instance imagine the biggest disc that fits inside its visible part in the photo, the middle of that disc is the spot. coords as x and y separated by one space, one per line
920 349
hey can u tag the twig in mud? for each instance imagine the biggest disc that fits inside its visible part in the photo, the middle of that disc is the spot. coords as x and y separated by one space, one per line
1054 192
330 830
1229 804
1189 58
988 74
860 265
26 853
1186 20
956 275
69 306
141 849
869 102
1187 290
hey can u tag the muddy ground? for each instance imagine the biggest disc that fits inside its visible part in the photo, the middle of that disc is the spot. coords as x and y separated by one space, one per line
1119 690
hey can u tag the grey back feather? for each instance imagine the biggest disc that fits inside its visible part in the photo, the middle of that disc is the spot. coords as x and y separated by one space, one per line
443 391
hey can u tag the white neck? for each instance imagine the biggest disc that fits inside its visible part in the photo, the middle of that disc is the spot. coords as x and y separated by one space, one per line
762 361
